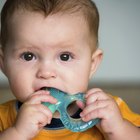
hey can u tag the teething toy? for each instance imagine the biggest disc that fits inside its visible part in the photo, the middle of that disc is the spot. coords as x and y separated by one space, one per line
64 100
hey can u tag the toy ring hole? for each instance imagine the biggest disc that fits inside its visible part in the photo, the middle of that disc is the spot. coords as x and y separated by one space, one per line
73 109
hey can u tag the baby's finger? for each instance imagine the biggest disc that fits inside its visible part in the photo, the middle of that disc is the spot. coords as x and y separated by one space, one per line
94 106
40 92
98 95
93 90
41 97
46 112
97 113
42 117
103 109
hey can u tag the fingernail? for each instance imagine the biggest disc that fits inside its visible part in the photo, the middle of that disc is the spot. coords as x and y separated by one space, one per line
81 114
84 119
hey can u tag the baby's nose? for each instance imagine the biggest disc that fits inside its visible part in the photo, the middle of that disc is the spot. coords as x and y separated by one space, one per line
46 71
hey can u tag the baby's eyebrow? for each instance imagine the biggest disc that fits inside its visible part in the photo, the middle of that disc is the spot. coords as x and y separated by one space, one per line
23 48
62 46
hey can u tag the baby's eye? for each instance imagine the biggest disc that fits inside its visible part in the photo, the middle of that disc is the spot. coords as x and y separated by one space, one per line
65 57
28 56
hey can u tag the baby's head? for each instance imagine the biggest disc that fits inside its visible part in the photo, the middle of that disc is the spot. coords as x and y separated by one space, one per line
49 43
85 8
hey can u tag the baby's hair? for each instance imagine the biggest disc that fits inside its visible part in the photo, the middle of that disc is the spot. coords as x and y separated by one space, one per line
49 7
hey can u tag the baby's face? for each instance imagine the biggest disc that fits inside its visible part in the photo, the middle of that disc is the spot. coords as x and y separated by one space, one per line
47 52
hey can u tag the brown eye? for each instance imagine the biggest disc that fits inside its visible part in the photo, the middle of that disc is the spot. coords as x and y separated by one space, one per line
66 56
28 56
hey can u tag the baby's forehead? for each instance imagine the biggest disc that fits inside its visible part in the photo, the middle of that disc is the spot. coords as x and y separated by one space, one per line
33 18
89 14
58 27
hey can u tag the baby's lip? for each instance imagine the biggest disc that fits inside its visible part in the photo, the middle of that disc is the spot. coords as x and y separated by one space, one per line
44 88
41 88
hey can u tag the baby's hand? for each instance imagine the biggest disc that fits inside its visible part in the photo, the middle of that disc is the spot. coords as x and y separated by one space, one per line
33 115
100 105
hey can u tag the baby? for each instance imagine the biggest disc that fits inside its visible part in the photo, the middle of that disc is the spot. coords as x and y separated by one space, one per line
54 43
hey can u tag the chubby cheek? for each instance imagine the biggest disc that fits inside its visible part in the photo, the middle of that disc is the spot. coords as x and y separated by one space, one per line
79 82
18 92
20 88
20 83
19 78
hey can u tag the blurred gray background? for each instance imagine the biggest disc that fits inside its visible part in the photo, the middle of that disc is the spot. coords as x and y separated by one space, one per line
119 38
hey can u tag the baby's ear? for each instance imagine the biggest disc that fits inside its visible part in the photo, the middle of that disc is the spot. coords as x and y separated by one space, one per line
96 60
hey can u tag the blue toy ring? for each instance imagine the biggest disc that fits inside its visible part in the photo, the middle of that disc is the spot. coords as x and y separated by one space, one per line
64 100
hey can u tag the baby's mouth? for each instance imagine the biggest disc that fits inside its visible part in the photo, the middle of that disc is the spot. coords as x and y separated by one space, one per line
47 88
44 88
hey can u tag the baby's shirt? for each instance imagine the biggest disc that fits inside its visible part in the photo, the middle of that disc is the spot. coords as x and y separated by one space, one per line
8 112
